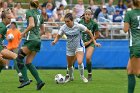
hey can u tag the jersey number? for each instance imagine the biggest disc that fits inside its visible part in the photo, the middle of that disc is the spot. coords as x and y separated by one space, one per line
138 17
38 20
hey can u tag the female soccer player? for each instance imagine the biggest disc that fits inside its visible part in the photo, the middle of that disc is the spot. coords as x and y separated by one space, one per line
31 45
5 53
75 45
132 24
89 45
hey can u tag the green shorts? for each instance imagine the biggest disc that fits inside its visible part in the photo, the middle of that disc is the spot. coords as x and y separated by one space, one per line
91 44
134 51
32 45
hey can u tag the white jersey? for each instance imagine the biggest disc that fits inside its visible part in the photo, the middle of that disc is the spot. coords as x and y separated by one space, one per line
74 39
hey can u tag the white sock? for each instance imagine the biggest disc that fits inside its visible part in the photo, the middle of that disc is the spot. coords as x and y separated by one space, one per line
20 74
70 71
81 70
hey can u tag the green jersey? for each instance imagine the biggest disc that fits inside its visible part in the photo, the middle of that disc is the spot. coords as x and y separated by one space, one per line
3 30
34 33
133 18
91 25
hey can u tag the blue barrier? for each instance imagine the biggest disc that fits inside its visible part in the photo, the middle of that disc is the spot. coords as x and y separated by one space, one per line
112 54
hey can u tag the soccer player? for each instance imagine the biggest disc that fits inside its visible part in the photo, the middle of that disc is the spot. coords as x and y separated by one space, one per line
89 45
75 45
31 45
5 53
132 24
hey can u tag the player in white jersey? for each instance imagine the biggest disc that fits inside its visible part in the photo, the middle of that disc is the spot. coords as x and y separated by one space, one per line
75 45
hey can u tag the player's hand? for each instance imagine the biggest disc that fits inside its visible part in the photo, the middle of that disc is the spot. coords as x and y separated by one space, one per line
22 34
97 44
53 43
86 43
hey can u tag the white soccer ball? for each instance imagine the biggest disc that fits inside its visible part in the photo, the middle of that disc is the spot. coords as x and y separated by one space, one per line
10 36
59 79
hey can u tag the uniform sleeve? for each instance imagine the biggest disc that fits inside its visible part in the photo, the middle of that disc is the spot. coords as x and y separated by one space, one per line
96 28
2 31
82 27
61 31
28 14
127 18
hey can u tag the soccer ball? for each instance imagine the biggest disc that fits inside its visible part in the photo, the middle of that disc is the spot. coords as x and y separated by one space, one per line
59 79
10 36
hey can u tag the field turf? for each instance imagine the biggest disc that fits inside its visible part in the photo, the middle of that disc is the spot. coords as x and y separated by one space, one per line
104 81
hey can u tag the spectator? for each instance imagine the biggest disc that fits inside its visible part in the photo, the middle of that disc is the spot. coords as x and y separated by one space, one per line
49 10
10 3
92 6
19 11
79 8
121 6
44 14
110 7
117 17
49 1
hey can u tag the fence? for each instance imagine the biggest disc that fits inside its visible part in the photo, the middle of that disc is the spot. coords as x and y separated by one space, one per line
112 54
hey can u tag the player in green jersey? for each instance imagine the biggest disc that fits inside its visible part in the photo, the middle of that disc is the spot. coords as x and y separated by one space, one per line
5 53
31 45
89 45
132 24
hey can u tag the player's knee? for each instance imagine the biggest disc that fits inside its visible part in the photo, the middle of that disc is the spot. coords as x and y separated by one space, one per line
20 65
20 56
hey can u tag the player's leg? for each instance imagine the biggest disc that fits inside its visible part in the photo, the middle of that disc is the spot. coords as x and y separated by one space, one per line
70 59
89 52
131 77
79 56
21 65
33 70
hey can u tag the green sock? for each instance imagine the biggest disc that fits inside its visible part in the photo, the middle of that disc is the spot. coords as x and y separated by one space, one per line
24 73
1 67
16 67
89 67
131 83
34 72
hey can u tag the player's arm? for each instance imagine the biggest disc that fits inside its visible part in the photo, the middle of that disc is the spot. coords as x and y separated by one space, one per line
92 38
30 26
126 27
56 39
42 29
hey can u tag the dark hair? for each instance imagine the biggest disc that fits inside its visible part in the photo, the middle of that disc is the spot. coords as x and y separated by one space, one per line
69 15
34 4
14 24
136 3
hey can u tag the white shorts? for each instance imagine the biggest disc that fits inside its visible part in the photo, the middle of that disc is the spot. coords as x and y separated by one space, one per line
72 53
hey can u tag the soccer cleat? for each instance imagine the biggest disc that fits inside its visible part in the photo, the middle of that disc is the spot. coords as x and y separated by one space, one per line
89 77
84 79
21 80
40 85
25 83
68 78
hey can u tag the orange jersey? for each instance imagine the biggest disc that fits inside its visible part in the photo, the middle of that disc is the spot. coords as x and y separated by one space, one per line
14 43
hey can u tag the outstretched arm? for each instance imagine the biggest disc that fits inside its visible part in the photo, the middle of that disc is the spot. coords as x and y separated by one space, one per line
56 39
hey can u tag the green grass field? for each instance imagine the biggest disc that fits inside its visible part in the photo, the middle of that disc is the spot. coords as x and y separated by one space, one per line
104 81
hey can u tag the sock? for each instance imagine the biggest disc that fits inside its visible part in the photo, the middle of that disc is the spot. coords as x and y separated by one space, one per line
1 67
34 72
70 71
16 67
89 67
67 72
81 69
22 68
131 83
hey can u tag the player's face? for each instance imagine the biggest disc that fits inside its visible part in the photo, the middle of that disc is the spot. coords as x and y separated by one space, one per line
68 22
8 18
88 16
